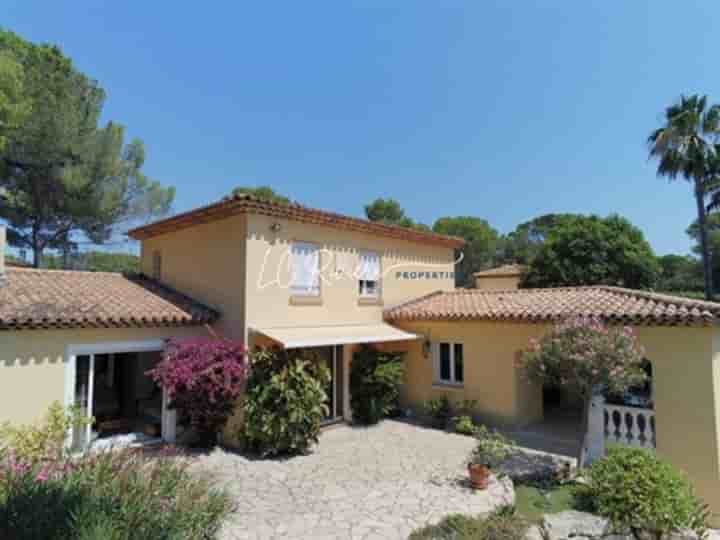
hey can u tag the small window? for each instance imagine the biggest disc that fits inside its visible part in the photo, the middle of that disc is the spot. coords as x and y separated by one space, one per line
157 265
458 362
305 271
449 363
369 275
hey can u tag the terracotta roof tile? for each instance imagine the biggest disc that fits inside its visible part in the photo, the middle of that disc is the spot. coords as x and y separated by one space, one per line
612 304
502 271
240 204
35 299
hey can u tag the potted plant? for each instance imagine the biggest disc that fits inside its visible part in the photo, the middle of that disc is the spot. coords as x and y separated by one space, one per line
491 450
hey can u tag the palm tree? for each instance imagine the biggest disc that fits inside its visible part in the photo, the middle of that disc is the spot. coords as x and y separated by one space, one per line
686 146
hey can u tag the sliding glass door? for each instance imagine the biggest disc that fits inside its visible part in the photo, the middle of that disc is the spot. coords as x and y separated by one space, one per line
83 398
332 358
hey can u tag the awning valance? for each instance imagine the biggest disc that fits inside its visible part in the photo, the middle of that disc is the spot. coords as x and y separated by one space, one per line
318 336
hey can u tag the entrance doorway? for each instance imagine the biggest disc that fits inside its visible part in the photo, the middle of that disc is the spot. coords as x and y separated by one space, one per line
113 388
331 357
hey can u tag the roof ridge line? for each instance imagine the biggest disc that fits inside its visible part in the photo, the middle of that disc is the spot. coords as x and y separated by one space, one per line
250 204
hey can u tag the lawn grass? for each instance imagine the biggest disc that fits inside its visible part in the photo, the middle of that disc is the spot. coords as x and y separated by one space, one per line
532 502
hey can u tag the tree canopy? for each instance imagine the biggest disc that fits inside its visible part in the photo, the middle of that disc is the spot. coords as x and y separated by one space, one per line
686 146
523 244
390 212
14 105
61 174
481 243
262 192
590 250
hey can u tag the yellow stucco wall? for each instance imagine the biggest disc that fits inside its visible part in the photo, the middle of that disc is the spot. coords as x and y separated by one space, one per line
686 380
490 351
269 300
32 364
206 263
686 383
495 283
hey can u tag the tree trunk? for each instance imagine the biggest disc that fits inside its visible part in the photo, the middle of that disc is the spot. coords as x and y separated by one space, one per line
706 256
36 249
584 430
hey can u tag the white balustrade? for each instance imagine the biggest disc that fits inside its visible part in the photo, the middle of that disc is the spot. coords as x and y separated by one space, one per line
629 426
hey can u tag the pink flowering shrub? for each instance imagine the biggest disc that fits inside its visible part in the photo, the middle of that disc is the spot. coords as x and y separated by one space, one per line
113 495
586 356
203 377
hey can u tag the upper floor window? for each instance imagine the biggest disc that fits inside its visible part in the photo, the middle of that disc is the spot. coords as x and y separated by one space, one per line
157 265
448 363
369 275
305 269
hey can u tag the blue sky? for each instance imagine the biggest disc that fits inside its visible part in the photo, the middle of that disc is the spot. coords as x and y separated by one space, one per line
502 110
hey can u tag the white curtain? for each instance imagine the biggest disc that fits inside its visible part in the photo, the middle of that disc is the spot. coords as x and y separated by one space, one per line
369 266
305 277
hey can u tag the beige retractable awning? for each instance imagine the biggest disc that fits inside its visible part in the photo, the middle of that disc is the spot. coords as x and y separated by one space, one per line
317 336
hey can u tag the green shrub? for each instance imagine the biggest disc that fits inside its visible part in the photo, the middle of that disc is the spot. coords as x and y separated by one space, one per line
464 425
502 524
118 495
44 440
375 381
640 494
439 410
284 402
466 407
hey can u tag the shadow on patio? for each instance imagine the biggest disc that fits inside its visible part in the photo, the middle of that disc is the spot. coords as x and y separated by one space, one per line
558 433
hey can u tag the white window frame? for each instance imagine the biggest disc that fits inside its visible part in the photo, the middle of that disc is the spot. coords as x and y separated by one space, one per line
363 290
452 381
296 290
168 426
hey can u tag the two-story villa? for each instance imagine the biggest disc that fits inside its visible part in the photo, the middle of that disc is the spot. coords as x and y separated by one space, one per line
243 268
267 273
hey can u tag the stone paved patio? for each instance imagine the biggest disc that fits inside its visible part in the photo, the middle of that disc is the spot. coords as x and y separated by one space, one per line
359 483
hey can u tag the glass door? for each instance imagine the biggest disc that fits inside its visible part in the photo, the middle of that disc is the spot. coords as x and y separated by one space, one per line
332 357
83 398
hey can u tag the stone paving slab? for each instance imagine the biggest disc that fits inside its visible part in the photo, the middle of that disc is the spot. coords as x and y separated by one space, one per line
380 482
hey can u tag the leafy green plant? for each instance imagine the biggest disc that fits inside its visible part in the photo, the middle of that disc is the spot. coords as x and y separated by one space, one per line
492 448
46 439
375 381
118 495
284 402
644 496
464 425
439 410
466 407
503 524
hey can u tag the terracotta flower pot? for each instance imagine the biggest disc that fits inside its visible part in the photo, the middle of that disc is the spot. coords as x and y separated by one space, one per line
479 476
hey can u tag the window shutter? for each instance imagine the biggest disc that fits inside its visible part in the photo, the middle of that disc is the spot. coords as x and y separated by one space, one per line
435 359
369 266
305 277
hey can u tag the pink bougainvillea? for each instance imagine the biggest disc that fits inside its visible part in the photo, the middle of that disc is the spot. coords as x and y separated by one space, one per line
203 377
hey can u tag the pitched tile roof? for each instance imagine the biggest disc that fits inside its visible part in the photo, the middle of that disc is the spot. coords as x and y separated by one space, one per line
36 299
612 304
244 203
502 271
